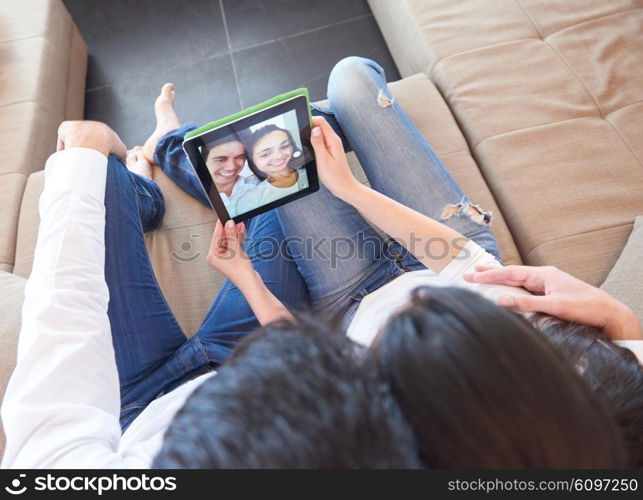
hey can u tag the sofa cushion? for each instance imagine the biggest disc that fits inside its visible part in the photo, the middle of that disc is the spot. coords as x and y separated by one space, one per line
29 137
43 62
566 189
35 18
625 279
11 188
42 68
11 299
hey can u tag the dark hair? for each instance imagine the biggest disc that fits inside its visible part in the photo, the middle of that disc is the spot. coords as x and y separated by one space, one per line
290 397
483 389
205 149
613 373
251 140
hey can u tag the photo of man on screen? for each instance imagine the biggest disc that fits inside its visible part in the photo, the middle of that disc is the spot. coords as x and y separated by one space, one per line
225 160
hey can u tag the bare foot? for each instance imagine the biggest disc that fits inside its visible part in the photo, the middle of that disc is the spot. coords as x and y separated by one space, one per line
137 163
166 120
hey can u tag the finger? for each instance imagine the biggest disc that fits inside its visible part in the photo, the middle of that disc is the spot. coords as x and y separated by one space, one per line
319 145
531 278
120 150
218 229
219 238
230 230
241 232
61 134
332 140
526 303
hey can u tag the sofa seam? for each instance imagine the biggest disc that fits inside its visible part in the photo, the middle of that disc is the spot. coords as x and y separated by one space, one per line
531 19
592 20
497 44
530 252
541 125
622 108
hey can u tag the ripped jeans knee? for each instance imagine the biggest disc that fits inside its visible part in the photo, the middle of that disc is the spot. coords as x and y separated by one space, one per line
470 210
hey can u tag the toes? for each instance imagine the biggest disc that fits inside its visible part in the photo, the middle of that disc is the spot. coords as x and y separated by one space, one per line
168 90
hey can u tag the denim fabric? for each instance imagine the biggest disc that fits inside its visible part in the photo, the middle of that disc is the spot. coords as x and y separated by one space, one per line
308 238
153 354
170 156
398 162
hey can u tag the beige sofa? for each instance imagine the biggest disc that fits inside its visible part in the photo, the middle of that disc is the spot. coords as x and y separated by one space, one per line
43 65
549 97
532 105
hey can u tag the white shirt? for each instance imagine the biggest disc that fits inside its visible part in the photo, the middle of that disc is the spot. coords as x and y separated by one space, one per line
266 193
61 407
241 186
377 307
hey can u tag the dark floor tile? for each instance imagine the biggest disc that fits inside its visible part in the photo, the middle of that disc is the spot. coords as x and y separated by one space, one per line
205 91
251 22
140 37
306 60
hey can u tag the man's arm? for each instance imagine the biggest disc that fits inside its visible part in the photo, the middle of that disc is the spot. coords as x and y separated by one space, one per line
559 294
62 404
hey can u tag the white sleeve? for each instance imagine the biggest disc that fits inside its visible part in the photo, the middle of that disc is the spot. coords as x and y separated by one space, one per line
61 408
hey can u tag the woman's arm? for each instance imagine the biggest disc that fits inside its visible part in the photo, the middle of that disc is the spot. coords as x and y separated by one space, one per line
228 257
431 242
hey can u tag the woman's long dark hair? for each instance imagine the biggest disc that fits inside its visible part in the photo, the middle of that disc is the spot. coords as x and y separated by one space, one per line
483 389
251 140
612 372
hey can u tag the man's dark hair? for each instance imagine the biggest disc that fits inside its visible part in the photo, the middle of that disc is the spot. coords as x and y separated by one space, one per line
251 140
205 150
613 373
483 389
291 396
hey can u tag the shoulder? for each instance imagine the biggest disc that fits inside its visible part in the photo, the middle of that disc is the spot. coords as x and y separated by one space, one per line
251 180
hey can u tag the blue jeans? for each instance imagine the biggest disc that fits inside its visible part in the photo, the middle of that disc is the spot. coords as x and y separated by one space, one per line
153 355
340 256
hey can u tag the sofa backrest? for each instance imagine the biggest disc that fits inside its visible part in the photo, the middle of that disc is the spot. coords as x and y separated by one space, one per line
549 96
43 62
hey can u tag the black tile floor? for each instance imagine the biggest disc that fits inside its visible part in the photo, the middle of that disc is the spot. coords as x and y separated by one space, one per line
223 55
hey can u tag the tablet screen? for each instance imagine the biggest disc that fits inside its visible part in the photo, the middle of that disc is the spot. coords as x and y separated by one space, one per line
257 162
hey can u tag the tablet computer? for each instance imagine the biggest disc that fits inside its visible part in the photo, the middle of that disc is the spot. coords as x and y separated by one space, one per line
257 159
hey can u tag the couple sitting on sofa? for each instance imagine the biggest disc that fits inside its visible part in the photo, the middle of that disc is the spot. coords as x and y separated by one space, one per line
450 379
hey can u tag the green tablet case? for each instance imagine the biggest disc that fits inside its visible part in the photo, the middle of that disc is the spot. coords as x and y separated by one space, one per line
259 107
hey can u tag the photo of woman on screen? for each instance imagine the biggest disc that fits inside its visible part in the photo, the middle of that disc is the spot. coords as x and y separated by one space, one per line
276 161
